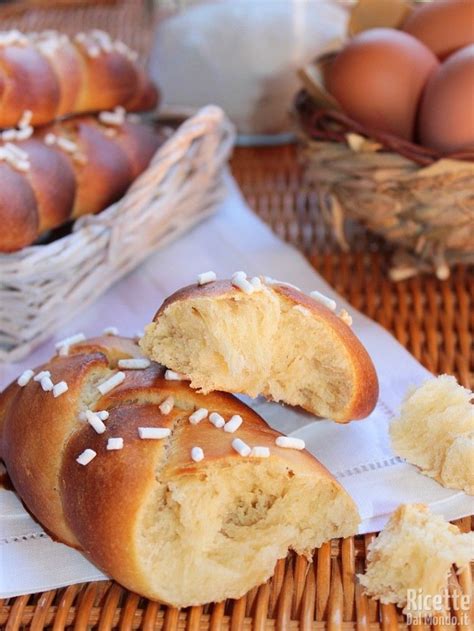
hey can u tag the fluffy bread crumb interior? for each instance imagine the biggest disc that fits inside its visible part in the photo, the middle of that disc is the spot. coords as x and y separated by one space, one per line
415 551
258 344
215 537
435 431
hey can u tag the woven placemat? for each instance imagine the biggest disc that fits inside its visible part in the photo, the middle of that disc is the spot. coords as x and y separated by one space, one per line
433 319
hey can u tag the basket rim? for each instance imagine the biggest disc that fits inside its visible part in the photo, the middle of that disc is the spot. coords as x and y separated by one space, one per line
93 257
207 116
326 124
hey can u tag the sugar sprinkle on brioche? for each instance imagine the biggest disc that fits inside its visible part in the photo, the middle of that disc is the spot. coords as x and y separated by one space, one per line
266 338
47 75
415 551
435 432
182 512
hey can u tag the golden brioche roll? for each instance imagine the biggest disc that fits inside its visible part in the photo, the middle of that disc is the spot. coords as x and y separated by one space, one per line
166 523
73 167
52 75
275 341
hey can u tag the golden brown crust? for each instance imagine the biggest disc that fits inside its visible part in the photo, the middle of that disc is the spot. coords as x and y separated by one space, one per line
146 97
107 172
52 179
34 433
18 210
59 186
366 388
54 76
138 144
110 79
69 68
95 507
29 84
35 426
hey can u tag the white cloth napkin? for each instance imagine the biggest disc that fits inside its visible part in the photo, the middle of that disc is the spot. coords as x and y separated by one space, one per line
359 454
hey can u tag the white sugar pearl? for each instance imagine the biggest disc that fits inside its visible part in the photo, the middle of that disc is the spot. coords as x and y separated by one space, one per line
59 389
324 300
206 277
197 454
260 452
41 375
217 420
171 375
114 443
111 383
47 384
25 378
86 456
233 424
198 416
289 442
153 433
240 447
95 422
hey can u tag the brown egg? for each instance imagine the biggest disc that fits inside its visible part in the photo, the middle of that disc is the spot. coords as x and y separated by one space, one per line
444 26
378 79
446 120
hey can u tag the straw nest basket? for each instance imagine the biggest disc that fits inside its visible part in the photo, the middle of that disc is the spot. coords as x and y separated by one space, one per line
417 200
42 286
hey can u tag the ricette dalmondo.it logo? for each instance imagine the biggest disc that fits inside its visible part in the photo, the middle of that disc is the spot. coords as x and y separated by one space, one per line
443 608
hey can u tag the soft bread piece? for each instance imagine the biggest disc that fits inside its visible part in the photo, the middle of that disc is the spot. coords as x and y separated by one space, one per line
415 551
276 341
164 526
52 75
54 183
435 432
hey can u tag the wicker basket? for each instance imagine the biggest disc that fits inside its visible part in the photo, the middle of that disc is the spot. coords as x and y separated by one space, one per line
418 200
42 286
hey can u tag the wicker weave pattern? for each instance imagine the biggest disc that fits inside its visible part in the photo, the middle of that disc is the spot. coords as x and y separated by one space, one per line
42 286
432 318
428 211
318 596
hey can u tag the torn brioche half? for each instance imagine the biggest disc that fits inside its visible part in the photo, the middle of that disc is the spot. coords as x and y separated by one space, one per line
275 341
435 432
199 515
412 557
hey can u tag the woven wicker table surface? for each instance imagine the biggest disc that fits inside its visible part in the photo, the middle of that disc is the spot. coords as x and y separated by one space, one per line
433 319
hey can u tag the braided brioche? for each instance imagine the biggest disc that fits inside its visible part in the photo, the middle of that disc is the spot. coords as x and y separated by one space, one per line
73 167
162 517
52 75
270 339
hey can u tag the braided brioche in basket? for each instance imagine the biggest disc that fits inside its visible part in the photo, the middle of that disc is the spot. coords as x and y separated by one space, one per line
52 75
67 169
260 336
200 513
